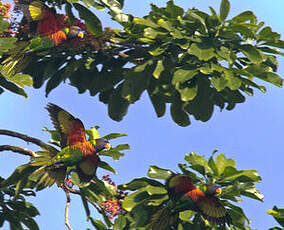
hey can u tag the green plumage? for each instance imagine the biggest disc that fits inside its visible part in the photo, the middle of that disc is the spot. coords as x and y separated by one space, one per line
69 156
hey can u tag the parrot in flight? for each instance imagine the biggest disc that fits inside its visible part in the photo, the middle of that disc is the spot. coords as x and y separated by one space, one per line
210 207
44 20
75 149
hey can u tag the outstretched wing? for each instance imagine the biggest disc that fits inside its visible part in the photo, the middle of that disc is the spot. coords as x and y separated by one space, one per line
71 129
32 10
212 210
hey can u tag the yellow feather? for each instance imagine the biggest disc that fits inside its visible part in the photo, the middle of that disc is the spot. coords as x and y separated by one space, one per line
63 118
35 10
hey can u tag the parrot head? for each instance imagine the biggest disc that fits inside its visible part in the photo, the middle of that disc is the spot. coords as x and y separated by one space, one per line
74 31
102 144
213 189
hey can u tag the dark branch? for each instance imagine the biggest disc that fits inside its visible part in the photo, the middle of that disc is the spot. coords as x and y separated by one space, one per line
66 188
28 139
17 149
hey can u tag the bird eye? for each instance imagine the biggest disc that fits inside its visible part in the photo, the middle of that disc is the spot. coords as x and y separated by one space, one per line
218 191
107 146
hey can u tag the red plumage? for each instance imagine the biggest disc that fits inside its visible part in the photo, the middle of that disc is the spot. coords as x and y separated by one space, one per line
210 206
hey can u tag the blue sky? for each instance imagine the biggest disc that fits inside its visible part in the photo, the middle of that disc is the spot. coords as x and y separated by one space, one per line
252 134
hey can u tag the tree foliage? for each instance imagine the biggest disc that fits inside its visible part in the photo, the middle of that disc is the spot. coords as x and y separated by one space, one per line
182 58
190 60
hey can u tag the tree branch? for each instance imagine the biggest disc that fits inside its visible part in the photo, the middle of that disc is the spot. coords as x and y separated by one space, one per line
67 210
28 139
17 149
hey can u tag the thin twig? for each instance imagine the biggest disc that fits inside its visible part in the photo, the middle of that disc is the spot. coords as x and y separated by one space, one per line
66 188
67 210
27 139
95 206
17 149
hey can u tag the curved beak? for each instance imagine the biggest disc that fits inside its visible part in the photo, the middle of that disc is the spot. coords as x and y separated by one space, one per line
107 146
80 34
218 191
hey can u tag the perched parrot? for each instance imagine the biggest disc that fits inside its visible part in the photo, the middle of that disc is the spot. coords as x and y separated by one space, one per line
76 150
44 20
207 203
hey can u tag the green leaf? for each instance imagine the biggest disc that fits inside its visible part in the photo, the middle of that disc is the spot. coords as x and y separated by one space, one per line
231 174
198 163
272 78
92 22
178 114
144 22
139 183
278 214
222 162
98 224
93 134
106 166
115 152
244 16
68 10
152 190
119 223
233 82
72 1
7 43
174 10
130 201
113 5
137 80
158 101
12 87
117 106
188 93
159 69
219 83
114 135
224 9
213 165
55 136
252 53
186 215
22 80
4 25
183 75
30 223
158 173
204 54
267 34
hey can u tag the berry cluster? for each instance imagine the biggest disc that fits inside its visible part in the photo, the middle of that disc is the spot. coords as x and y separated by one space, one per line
4 9
113 206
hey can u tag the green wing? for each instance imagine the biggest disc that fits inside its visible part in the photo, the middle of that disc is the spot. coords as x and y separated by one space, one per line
69 156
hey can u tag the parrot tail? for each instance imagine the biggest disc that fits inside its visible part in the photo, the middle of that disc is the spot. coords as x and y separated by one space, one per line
48 171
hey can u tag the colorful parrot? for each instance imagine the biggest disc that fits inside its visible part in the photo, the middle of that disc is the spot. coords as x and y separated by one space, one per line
44 20
76 150
181 186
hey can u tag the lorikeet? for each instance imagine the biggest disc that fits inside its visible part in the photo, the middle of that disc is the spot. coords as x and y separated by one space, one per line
207 203
44 20
76 150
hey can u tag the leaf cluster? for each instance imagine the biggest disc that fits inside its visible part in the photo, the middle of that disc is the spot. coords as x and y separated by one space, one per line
191 60
149 205
15 209
195 61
